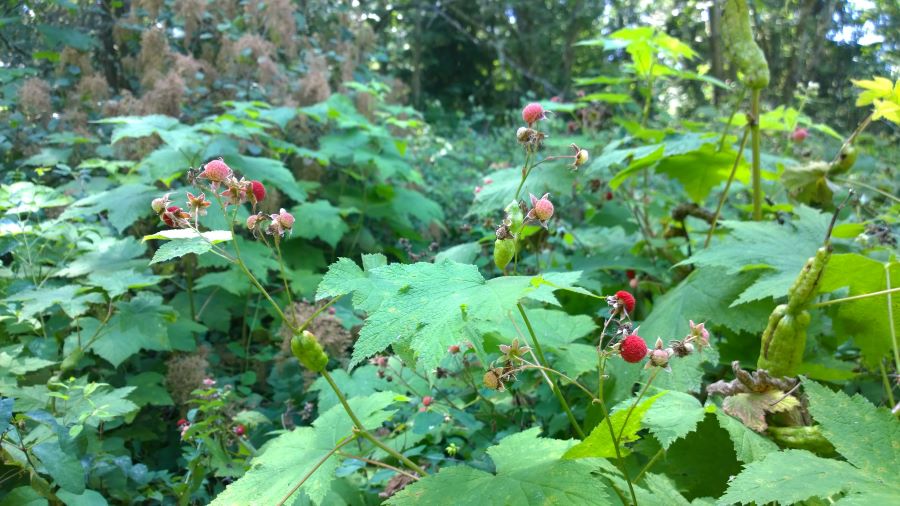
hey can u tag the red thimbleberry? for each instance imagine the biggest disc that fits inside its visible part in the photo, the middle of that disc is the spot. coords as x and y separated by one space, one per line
259 191
171 211
629 274
427 400
182 422
532 113
541 208
799 135
633 349
609 195
454 349
626 299
216 171
240 430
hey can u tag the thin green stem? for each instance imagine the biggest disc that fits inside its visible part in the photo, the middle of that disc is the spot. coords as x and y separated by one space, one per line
636 402
554 385
888 388
319 311
612 435
890 314
316 467
737 161
364 433
734 111
526 170
287 288
755 141
648 465
870 188
887 292
571 381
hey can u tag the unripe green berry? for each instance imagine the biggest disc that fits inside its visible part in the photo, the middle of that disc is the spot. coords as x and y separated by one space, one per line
309 352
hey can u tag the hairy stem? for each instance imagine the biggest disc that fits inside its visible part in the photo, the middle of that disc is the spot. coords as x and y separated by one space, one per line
757 171
737 161
555 385
366 434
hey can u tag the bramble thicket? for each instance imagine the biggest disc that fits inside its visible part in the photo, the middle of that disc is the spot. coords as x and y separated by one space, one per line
276 252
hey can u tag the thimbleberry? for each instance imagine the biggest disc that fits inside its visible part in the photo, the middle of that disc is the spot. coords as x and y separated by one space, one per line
633 349
532 113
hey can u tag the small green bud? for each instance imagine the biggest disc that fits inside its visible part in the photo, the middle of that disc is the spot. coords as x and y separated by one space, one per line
309 352
504 251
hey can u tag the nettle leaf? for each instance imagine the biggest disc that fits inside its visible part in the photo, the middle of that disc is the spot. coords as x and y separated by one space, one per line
123 204
435 304
751 408
177 249
62 466
286 459
528 471
791 476
868 437
748 445
600 443
865 320
320 219
705 295
555 178
673 416
120 338
778 251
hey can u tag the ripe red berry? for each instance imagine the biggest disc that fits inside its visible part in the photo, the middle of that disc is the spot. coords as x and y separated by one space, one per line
240 430
799 135
259 191
633 349
454 349
216 171
168 215
609 195
532 113
629 274
182 422
427 400
626 299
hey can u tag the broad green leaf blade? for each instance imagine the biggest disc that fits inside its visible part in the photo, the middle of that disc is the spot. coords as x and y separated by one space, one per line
121 338
781 250
287 458
868 437
178 249
123 205
213 236
865 320
673 416
789 477
529 472
65 469
600 443
320 219
748 445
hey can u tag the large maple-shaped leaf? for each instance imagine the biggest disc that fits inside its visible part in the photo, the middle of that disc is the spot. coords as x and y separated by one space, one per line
865 320
868 437
779 250
748 445
673 416
428 307
286 459
120 338
600 443
529 471
792 476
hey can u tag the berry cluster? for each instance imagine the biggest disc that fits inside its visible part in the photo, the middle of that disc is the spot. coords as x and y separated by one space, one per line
236 191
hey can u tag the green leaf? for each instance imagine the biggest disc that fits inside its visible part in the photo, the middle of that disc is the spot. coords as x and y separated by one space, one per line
673 416
437 303
38 300
320 219
778 251
528 471
123 204
702 170
118 283
86 498
287 458
705 295
644 156
64 467
599 443
748 445
464 253
369 287
177 249
270 172
121 338
149 389
23 496
868 437
789 477
107 254
865 320
213 236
